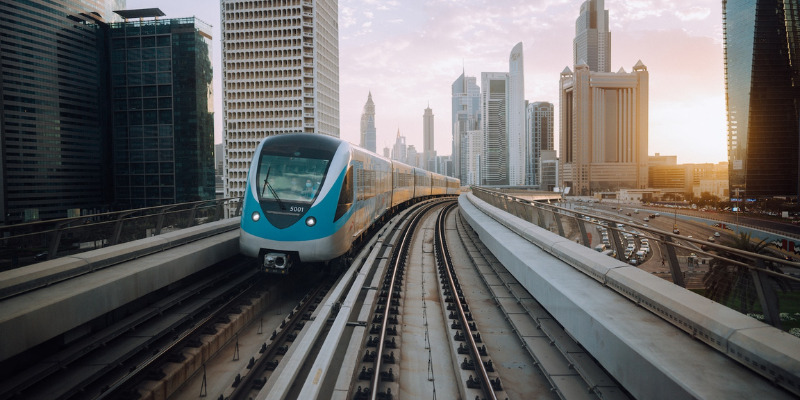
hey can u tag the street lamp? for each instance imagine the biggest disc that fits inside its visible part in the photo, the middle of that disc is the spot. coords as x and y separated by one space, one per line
737 199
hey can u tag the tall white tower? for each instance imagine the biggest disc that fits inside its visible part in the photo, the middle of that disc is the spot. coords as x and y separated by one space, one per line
592 43
494 123
427 138
280 64
516 117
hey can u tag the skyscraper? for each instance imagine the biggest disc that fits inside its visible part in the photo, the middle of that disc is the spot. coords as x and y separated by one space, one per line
399 151
502 121
466 116
473 143
427 138
280 66
762 82
54 124
603 115
539 138
412 157
592 43
368 125
516 117
163 124
549 170
494 109
603 129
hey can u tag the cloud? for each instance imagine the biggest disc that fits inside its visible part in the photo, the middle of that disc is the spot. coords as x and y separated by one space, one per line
693 13
412 64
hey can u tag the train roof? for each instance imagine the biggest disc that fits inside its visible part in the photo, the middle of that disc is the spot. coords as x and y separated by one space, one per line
313 139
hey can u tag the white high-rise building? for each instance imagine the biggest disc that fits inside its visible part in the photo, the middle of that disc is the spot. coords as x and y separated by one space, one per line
592 43
516 117
494 118
473 143
280 64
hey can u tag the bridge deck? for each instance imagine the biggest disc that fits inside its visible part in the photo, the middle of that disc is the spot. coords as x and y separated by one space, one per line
649 356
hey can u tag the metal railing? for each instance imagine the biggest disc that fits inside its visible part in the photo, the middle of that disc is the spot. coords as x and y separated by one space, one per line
28 243
759 276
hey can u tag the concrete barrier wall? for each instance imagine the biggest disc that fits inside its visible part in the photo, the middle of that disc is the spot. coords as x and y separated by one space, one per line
31 318
651 358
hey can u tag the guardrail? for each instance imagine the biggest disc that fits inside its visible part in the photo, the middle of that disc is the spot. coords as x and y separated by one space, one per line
743 279
29 243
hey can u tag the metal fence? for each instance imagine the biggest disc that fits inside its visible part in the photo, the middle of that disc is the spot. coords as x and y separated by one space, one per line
28 243
761 285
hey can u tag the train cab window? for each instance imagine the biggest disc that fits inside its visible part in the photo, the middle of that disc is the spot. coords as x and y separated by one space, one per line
290 177
345 196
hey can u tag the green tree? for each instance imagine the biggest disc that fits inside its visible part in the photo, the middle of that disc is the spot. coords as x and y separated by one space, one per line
707 199
733 284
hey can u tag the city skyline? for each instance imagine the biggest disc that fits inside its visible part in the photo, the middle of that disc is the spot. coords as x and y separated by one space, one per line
408 57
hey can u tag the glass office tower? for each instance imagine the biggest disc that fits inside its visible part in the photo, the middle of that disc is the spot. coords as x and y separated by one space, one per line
53 108
466 117
762 81
163 128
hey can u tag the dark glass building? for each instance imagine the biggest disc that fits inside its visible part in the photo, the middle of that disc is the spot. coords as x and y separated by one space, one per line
762 80
53 120
163 128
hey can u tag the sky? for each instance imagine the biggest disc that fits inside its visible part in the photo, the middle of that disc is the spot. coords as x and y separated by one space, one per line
408 53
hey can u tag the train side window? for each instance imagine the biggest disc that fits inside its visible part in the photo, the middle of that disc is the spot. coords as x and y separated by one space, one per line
345 196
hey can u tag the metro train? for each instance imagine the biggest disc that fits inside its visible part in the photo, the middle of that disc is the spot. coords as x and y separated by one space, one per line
309 196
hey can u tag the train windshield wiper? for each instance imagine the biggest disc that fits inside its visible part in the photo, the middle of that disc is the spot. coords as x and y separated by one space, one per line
267 185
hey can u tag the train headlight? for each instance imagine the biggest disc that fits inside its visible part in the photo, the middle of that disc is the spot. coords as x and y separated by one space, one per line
256 216
311 221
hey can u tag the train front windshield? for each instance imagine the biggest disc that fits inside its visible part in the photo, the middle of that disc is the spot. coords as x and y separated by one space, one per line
293 177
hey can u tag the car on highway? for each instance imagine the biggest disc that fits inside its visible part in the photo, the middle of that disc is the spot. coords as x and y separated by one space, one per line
711 239
716 234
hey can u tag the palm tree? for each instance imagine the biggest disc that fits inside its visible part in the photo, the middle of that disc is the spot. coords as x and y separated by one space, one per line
732 284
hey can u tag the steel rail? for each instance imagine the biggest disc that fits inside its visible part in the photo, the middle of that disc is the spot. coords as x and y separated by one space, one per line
124 382
259 368
446 263
399 260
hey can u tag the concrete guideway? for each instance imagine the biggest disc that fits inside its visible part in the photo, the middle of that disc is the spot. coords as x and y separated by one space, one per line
129 272
651 358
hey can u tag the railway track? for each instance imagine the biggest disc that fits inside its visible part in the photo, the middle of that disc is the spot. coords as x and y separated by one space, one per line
397 323
476 357
571 373
110 363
